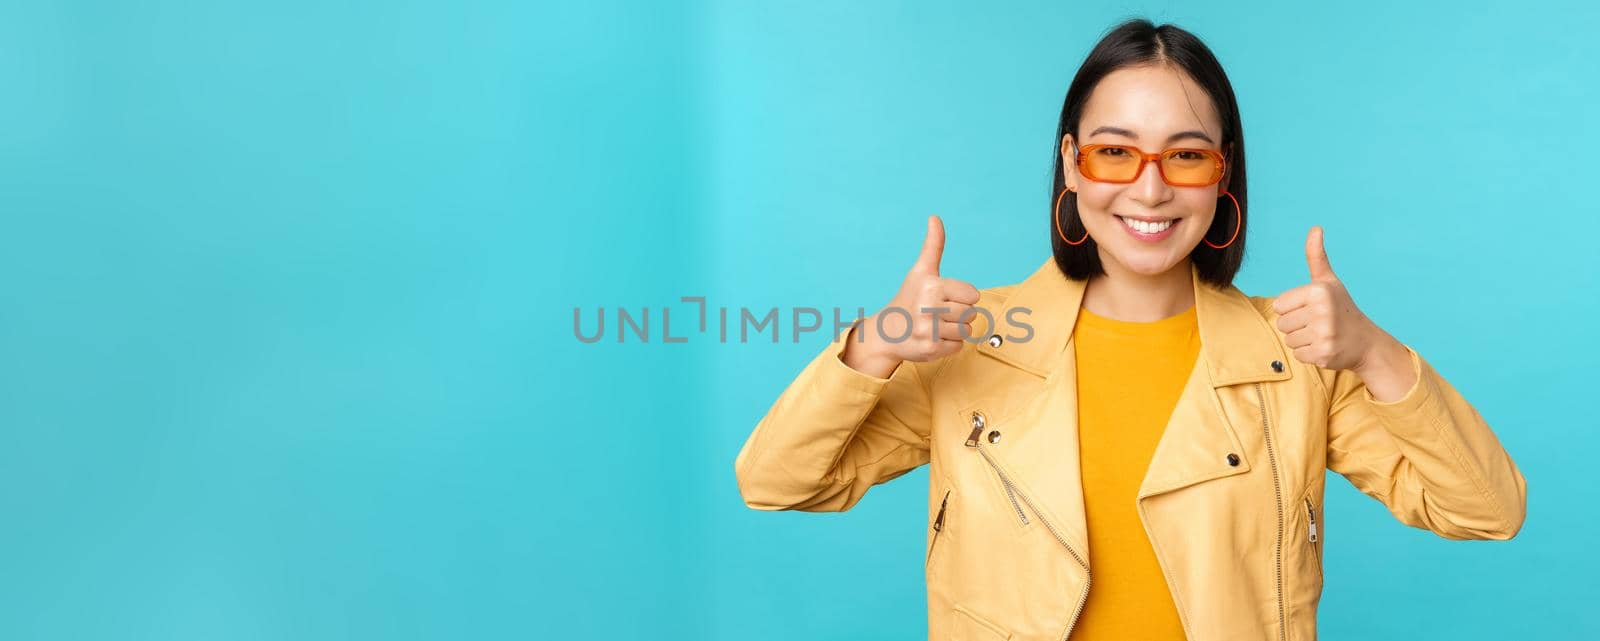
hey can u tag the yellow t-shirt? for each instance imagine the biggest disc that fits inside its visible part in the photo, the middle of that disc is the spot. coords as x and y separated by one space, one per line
1130 375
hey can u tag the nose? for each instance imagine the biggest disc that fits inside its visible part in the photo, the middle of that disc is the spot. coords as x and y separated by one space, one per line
1150 190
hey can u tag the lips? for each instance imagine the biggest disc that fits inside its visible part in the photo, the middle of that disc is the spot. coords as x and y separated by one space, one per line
1149 232
1148 226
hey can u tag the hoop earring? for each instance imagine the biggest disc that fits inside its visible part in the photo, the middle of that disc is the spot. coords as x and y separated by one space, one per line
1063 234
1238 215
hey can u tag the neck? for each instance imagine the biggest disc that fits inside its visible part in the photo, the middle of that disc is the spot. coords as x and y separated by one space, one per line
1125 295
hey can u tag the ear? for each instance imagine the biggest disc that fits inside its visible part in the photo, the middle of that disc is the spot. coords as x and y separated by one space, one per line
1227 171
1069 169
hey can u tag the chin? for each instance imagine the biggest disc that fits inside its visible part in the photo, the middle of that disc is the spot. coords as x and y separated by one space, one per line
1148 264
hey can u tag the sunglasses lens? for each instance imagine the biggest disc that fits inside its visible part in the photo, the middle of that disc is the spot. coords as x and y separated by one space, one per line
1112 164
1190 168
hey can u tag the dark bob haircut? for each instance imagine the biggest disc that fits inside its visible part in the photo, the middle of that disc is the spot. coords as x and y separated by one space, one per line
1138 42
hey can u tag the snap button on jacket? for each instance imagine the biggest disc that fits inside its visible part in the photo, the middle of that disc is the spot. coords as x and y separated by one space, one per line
1231 501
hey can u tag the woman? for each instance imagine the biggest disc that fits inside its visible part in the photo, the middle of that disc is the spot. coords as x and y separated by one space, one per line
1125 417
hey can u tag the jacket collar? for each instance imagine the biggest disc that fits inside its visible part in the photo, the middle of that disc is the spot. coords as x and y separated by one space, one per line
1237 343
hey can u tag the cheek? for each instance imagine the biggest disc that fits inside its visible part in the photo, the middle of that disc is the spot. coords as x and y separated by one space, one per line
1096 199
1201 208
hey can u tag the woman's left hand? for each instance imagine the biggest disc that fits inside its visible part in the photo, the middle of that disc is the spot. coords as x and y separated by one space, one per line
1322 324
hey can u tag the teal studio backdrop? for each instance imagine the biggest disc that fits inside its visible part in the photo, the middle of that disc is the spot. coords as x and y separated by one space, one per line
286 339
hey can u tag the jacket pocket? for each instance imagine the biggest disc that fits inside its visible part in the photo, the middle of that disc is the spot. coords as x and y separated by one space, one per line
985 433
1303 549
1313 531
968 626
937 529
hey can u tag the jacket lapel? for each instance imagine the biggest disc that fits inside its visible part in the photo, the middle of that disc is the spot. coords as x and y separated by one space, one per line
1238 347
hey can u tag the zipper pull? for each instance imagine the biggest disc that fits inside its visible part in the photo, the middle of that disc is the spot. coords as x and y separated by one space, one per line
977 429
938 521
1313 513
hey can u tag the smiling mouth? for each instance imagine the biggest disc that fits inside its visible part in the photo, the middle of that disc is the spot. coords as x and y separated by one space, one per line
1144 227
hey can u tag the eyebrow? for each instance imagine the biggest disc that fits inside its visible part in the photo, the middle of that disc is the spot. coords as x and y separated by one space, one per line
1170 139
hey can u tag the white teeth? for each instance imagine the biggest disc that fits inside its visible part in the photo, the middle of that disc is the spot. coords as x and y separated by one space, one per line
1146 227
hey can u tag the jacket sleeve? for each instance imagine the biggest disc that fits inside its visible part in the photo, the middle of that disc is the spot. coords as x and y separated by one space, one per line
1428 456
835 432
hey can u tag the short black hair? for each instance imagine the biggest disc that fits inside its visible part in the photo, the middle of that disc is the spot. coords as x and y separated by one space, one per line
1138 42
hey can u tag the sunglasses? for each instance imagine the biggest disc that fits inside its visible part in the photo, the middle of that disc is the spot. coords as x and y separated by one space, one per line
1125 163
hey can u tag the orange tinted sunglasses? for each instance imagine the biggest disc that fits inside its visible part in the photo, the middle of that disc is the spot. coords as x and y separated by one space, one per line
1179 167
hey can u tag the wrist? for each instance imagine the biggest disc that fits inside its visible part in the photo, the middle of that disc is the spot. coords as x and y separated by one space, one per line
866 355
1386 353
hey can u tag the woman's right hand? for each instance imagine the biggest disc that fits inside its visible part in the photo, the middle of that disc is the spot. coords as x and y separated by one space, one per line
902 331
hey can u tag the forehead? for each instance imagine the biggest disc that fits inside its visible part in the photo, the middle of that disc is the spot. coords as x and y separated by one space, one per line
1151 101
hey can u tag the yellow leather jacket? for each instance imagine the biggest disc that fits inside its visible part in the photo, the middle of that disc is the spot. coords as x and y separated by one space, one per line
1232 500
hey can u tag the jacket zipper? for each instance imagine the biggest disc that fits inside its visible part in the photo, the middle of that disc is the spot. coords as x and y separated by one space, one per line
1277 494
977 429
972 441
1011 493
938 526
938 522
1312 512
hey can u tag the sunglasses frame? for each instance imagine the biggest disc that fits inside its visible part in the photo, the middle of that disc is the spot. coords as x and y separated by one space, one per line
1144 159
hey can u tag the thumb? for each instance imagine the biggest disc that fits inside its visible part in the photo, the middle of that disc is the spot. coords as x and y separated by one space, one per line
932 247
1317 256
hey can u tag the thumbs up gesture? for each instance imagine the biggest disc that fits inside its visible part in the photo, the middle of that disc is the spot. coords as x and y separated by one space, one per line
1320 321
922 322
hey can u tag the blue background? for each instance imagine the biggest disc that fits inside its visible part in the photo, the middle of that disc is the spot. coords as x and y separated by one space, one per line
286 338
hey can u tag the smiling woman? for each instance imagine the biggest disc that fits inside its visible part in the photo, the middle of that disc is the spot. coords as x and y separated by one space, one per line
1146 89
1149 462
